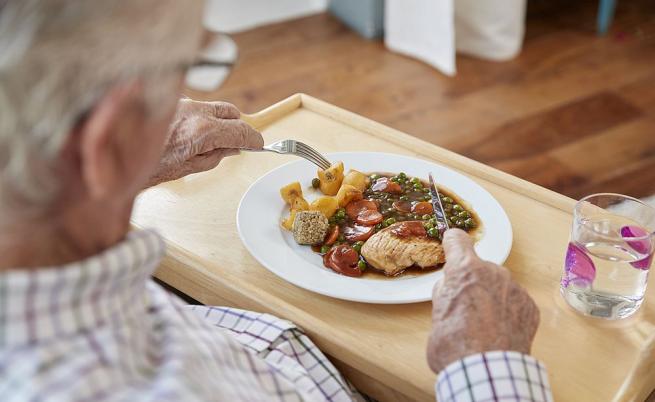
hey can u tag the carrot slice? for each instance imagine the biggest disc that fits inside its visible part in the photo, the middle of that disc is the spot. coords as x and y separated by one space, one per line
422 208
332 236
402 206
385 185
369 218
358 232
353 209
343 259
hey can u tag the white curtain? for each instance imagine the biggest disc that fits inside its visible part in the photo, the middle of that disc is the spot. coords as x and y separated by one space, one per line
434 30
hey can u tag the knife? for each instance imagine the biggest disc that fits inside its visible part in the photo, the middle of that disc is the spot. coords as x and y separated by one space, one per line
442 222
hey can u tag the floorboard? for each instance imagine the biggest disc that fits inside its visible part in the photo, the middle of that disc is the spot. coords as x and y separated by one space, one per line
574 112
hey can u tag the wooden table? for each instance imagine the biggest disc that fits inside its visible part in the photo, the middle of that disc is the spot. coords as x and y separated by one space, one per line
381 348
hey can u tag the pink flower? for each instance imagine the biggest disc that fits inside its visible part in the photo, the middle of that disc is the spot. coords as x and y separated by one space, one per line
579 269
642 246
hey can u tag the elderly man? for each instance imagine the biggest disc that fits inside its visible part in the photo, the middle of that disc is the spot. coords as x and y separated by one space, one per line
89 116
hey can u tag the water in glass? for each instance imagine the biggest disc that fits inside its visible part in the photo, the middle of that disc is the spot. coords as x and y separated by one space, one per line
607 261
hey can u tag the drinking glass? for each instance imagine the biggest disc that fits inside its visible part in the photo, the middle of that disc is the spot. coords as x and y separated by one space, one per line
609 255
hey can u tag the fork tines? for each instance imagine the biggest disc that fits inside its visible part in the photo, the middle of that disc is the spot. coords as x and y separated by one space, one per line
311 154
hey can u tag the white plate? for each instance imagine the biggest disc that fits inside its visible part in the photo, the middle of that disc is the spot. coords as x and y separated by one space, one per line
261 209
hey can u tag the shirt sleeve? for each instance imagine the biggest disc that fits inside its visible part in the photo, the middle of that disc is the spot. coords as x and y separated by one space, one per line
494 376
286 349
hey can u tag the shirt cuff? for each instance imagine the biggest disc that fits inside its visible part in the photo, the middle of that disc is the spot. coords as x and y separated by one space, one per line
494 376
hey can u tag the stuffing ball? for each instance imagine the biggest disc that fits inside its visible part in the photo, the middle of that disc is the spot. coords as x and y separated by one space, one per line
309 227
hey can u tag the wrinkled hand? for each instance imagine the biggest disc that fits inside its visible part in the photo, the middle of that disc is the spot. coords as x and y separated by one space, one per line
477 307
201 134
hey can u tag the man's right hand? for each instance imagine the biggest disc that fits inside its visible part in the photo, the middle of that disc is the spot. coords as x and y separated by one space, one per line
201 135
477 307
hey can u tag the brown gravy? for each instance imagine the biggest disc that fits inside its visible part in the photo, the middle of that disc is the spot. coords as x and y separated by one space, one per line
372 273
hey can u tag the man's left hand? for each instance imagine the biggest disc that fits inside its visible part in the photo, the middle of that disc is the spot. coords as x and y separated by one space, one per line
201 134
477 307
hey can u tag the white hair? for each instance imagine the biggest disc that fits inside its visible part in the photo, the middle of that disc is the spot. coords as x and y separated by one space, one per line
58 57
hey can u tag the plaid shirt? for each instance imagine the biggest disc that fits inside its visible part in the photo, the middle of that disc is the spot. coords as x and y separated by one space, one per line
101 329
494 376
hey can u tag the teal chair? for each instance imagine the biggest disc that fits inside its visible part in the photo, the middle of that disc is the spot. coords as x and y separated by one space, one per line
605 15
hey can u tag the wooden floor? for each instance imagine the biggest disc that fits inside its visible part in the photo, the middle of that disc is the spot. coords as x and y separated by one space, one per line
574 112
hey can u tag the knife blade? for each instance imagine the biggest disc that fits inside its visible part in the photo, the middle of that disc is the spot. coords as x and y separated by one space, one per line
442 222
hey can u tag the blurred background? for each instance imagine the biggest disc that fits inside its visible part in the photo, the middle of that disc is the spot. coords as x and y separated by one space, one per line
563 95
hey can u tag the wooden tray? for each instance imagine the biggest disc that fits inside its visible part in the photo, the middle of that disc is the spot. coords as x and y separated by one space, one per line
381 348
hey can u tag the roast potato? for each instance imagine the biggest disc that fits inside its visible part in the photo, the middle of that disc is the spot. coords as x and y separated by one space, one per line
299 204
331 179
292 195
288 223
348 193
356 179
290 192
327 205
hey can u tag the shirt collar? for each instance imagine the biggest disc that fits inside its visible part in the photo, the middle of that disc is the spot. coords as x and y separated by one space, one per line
106 289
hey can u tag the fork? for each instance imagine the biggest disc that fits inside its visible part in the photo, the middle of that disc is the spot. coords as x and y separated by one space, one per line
297 148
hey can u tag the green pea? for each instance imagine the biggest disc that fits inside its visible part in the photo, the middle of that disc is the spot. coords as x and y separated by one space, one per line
358 246
341 213
453 218
447 207
404 198
458 208
427 198
426 190
325 248
374 177
378 226
459 223
463 214
447 200
395 179
361 265
402 175
428 225
469 223
418 188
433 221
390 221
433 232
416 180
426 217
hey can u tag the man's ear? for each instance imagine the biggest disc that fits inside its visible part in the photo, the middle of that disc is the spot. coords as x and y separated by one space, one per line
114 116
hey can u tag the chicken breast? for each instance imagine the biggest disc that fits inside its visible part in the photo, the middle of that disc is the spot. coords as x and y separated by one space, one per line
401 246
